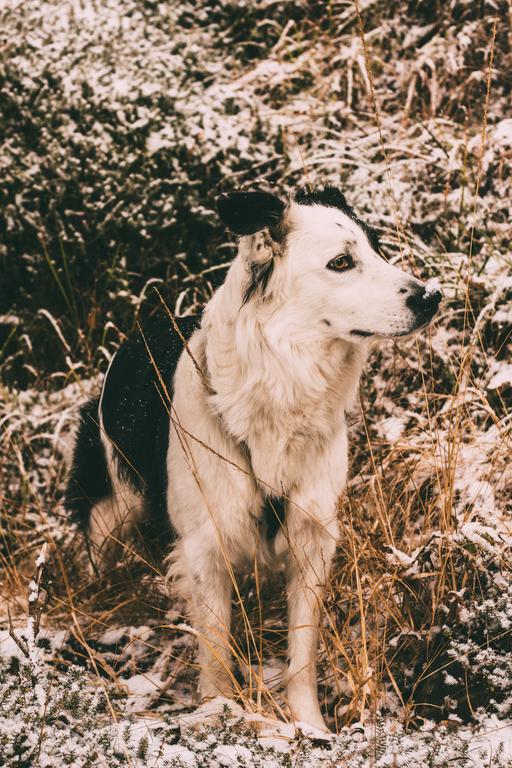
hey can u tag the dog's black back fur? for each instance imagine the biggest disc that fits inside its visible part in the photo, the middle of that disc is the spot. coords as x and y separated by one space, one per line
88 480
135 410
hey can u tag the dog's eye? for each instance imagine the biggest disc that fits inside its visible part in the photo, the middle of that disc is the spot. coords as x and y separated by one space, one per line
341 263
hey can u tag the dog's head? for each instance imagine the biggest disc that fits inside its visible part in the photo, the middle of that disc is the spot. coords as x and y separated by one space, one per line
312 253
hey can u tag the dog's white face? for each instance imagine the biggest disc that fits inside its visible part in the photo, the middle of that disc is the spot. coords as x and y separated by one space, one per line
315 259
330 270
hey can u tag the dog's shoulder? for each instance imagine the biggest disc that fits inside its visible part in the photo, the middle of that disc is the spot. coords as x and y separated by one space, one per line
136 395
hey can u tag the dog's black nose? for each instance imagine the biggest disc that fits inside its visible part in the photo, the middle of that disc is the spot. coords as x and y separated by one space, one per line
424 300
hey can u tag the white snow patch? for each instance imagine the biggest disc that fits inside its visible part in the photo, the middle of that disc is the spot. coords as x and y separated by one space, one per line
8 647
501 375
392 428
143 684
432 286
395 556
493 733
503 132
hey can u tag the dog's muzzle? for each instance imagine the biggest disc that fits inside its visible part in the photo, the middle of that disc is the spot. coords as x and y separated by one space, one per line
424 302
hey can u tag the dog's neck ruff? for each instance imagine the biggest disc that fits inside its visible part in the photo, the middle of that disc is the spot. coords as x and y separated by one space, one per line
280 392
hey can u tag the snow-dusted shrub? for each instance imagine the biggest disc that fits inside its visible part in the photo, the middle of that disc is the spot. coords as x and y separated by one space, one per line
58 718
123 119
480 652
56 721
120 124
458 661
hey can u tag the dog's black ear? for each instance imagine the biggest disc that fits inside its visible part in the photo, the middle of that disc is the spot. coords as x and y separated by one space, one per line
245 213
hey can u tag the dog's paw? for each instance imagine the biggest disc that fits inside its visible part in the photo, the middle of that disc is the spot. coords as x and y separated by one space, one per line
317 732
210 711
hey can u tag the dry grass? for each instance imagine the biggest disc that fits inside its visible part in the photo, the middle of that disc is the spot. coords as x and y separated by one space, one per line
411 494
377 616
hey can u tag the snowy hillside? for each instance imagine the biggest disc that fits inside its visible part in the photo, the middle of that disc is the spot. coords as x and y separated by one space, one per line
121 121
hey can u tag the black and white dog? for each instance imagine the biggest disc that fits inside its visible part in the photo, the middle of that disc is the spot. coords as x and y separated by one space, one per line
241 437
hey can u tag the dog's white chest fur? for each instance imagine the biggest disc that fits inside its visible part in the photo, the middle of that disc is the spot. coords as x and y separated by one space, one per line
284 414
284 398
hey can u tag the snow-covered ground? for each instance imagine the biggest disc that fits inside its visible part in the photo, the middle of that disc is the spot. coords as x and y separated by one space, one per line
67 721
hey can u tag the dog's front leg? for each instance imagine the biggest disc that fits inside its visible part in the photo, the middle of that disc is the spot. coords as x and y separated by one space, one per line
311 550
210 591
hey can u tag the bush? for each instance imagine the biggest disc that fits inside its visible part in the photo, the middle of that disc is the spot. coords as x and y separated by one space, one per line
123 120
